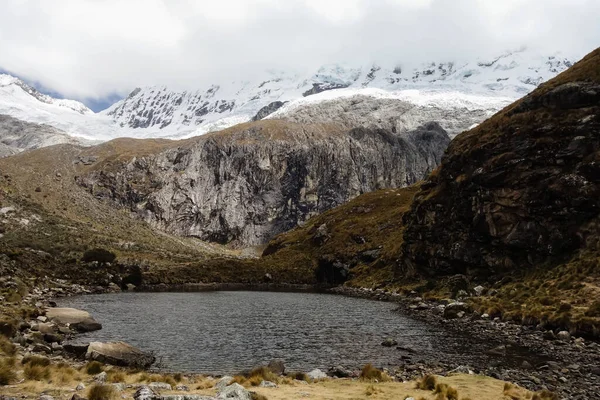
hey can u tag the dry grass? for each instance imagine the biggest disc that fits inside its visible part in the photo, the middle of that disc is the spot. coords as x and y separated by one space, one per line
36 372
102 392
370 373
7 371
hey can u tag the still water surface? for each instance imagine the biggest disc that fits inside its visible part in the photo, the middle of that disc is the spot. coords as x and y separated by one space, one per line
225 332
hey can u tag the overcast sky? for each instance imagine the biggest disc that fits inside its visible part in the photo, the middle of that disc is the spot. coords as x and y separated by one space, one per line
94 50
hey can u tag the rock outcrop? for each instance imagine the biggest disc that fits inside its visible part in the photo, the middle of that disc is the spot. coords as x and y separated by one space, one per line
17 136
248 183
392 115
522 189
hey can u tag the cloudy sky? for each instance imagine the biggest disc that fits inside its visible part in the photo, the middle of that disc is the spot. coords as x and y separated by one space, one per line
99 50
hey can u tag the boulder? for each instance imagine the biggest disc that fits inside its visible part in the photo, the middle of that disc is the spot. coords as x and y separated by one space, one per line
234 391
120 354
317 374
277 367
145 393
223 382
78 320
339 372
78 350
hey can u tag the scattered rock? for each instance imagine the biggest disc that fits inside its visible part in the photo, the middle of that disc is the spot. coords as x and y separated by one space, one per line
80 386
452 310
77 397
268 384
479 290
564 336
182 388
46 397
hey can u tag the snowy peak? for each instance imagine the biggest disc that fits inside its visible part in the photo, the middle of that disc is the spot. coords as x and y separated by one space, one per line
8 82
510 75
483 86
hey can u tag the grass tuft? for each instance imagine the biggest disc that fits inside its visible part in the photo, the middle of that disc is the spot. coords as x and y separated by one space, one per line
427 382
102 392
94 367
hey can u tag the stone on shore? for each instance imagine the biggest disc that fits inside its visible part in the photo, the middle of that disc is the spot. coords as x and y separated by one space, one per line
120 354
78 320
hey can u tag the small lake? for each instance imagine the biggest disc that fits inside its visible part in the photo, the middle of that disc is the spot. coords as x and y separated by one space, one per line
227 332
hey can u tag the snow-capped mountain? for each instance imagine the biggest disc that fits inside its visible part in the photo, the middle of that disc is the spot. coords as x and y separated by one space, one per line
497 81
484 86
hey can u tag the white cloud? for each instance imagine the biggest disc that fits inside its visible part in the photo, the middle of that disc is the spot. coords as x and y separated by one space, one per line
91 48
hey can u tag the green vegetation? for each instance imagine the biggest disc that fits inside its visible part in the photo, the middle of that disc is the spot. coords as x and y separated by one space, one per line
365 233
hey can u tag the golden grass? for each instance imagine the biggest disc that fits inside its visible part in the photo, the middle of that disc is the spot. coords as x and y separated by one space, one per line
102 392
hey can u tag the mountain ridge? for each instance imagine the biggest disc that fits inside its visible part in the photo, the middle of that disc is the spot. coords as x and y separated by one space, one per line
482 86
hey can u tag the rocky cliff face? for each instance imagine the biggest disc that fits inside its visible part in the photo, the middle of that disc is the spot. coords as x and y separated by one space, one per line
522 189
248 183
17 136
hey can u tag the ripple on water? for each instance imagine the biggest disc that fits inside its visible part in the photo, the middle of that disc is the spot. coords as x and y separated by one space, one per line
225 332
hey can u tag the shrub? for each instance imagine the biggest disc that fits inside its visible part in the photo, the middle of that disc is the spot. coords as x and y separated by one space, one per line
7 372
93 368
101 392
369 373
264 373
36 372
36 361
300 376
427 382
100 255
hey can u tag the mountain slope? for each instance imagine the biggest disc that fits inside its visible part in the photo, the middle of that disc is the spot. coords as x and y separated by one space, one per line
513 207
247 183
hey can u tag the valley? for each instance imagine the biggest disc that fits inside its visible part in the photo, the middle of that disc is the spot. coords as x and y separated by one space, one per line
490 232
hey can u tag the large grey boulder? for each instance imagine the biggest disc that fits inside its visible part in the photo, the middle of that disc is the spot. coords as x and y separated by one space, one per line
78 320
119 353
